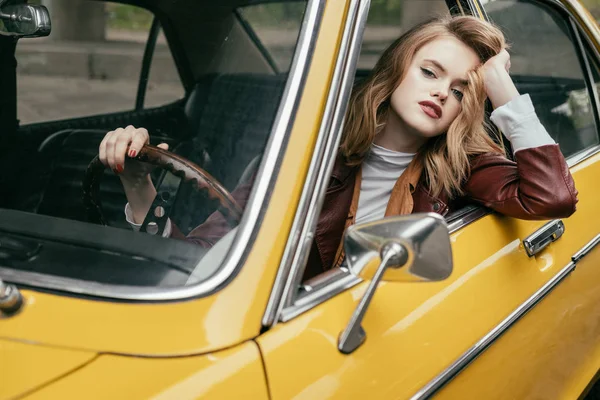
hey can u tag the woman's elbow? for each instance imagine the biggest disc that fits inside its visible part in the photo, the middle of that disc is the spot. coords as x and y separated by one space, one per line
562 204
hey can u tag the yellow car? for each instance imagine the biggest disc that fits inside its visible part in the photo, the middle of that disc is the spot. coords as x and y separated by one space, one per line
472 305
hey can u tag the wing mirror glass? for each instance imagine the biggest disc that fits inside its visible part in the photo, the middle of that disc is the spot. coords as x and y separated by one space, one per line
24 20
408 248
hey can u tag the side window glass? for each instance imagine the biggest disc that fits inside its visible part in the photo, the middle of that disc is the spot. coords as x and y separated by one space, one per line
265 21
164 83
91 63
545 64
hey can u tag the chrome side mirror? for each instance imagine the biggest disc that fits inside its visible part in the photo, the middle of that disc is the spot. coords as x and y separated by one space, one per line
409 248
24 20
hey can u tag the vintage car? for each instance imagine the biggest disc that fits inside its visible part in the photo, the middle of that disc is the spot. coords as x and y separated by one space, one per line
468 305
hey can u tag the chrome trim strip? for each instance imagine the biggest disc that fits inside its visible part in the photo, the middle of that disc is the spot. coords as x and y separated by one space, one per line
254 210
472 353
582 156
305 221
336 284
468 218
586 249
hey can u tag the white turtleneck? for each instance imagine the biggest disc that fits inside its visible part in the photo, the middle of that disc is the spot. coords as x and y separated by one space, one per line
380 171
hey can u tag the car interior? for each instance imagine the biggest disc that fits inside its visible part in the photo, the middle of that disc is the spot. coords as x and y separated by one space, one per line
225 115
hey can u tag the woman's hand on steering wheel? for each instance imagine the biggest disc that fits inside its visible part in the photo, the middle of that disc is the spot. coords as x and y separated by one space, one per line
118 150
128 154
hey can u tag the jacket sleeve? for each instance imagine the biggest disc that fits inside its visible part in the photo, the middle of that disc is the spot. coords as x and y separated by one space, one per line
216 225
537 186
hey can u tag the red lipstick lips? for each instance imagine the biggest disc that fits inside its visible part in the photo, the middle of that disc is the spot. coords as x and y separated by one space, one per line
431 109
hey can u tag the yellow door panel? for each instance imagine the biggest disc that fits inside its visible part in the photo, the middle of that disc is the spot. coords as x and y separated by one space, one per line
551 353
25 367
415 331
236 373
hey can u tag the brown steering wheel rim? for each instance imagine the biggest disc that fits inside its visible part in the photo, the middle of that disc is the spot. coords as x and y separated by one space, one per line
179 166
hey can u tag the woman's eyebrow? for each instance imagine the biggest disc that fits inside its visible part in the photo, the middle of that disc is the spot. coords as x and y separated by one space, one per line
439 66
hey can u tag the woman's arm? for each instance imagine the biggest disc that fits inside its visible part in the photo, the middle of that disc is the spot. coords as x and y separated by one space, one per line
117 150
215 226
538 185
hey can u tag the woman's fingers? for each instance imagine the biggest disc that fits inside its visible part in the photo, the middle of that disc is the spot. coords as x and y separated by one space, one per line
163 146
140 137
111 143
120 143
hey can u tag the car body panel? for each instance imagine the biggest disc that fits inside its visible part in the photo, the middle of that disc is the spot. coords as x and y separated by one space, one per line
423 327
235 373
551 353
205 324
26 367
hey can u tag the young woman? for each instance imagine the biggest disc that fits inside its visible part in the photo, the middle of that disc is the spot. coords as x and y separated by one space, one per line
414 141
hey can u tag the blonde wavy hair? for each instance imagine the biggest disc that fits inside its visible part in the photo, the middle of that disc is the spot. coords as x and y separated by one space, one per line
444 158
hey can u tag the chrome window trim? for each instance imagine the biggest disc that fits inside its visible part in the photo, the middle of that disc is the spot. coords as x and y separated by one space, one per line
486 341
254 211
302 234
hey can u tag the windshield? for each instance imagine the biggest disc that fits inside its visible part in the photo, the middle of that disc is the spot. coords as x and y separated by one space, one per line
204 79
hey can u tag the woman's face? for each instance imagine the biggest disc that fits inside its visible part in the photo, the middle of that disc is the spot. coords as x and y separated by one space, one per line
429 97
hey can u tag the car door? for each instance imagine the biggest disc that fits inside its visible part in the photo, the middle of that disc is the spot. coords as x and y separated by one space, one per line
554 350
421 336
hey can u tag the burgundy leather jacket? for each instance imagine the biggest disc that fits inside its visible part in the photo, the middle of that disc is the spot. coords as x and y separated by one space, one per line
537 186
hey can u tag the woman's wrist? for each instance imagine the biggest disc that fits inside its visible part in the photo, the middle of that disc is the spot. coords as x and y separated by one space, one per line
140 193
500 87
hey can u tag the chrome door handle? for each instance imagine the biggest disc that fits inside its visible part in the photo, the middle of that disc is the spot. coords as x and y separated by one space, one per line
541 238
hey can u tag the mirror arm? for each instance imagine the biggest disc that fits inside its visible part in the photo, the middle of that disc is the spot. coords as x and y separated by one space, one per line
13 17
392 254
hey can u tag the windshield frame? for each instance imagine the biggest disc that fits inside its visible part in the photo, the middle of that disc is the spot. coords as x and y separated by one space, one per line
253 214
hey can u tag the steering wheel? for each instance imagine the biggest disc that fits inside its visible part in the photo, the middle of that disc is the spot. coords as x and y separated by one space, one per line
178 166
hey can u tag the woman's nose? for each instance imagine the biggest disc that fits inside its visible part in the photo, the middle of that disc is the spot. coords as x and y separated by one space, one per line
441 94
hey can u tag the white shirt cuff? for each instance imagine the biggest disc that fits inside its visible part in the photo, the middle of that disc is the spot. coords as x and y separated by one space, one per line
520 124
136 227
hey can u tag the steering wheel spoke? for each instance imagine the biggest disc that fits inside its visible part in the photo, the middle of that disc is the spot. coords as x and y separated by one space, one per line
160 210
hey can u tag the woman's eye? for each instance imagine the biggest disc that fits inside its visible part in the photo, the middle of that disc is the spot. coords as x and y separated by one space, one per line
458 94
427 72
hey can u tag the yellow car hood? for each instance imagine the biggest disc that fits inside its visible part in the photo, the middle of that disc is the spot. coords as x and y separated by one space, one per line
26 367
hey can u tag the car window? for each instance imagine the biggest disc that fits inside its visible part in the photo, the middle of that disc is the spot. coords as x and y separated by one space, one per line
68 74
388 20
82 81
545 63
164 83
261 19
